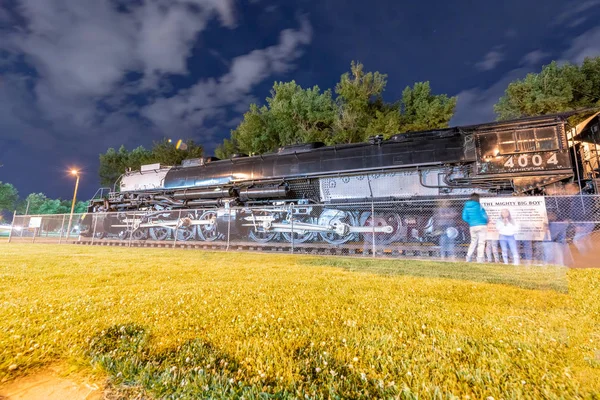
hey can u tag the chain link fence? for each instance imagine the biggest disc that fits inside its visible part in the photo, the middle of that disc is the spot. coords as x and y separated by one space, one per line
543 228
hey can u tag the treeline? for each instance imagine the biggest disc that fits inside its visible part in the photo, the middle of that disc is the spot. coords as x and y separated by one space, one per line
354 110
556 88
35 203
351 112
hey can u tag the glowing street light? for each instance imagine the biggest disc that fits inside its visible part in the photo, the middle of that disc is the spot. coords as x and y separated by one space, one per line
74 172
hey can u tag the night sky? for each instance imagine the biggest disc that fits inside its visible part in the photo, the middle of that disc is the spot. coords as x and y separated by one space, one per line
79 76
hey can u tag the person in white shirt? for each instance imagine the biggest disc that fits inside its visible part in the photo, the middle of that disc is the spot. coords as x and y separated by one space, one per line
507 229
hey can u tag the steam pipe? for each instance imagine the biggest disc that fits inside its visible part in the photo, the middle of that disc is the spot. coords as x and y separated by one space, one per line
202 194
168 200
264 192
204 203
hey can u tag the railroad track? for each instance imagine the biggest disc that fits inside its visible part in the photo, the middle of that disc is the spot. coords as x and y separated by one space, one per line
392 251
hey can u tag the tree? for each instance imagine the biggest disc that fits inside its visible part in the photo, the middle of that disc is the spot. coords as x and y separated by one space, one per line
228 148
363 112
300 115
81 207
35 200
166 153
292 115
384 119
255 134
359 95
296 115
114 163
40 204
8 197
53 206
422 110
555 89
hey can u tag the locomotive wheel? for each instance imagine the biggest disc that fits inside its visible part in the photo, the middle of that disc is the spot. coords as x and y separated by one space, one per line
208 233
140 234
391 219
185 234
301 238
160 233
186 231
259 233
335 217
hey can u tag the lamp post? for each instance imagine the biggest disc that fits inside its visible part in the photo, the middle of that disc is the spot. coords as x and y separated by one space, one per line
75 173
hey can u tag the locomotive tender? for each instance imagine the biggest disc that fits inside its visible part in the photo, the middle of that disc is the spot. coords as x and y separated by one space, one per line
269 195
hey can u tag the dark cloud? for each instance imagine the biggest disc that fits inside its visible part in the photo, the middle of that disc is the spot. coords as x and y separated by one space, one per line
102 76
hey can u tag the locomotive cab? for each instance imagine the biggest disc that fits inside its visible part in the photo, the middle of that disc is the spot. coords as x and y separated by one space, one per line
521 150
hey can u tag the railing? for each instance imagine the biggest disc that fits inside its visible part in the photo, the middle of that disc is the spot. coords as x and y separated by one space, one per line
425 229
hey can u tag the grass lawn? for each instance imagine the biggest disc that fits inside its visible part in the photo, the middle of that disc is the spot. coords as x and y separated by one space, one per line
195 324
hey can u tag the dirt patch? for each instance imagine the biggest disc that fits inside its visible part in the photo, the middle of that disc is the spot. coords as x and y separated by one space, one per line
48 385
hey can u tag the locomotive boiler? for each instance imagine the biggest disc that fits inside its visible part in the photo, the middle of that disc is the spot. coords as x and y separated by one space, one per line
309 191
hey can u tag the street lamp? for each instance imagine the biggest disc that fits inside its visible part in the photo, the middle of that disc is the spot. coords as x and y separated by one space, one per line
74 172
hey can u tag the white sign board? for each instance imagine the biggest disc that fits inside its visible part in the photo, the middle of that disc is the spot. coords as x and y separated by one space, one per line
35 222
528 212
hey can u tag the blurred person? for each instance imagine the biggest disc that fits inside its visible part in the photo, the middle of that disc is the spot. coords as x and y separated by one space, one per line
507 229
446 218
582 209
527 246
491 251
555 248
475 216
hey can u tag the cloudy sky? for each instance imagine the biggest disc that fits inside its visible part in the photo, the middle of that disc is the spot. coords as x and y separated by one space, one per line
79 76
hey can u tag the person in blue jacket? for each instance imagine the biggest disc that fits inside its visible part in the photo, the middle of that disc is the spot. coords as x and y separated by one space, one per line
474 214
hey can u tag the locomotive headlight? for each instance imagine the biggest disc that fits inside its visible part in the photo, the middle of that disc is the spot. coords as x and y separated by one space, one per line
496 152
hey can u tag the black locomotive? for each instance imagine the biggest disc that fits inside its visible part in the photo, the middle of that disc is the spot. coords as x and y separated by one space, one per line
274 195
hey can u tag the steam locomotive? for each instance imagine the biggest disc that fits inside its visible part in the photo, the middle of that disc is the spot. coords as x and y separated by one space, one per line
309 191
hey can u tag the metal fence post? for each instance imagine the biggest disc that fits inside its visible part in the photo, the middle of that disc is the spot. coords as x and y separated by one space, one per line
130 228
176 229
12 224
228 227
95 216
62 228
373 225
292 222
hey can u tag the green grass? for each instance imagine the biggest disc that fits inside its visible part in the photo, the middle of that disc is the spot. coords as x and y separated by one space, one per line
193 324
